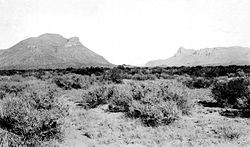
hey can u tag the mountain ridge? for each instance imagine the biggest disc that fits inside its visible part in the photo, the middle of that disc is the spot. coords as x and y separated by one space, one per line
233 55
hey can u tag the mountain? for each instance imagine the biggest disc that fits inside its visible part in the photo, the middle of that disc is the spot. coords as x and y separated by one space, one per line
234 55
49 51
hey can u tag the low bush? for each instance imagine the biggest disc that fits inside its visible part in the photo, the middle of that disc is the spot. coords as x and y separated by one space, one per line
34 116
165 76
229 132
120 98
232 92
11 88
155 103
74 81
113 75
143 77
152 112
95 96
199 82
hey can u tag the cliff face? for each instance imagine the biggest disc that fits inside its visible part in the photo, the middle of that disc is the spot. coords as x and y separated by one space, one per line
49 51
207 57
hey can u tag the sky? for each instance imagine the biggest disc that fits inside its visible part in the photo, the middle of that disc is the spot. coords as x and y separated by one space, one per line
130 31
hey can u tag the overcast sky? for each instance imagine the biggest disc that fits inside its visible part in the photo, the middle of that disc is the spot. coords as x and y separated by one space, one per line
130 31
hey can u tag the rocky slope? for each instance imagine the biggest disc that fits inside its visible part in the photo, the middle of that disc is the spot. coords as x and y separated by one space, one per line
49 51
234 55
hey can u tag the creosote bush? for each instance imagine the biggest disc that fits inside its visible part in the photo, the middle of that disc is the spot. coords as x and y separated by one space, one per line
143 77
229 132
95 96
154 102
33 116
113 75
74 81
232 92
198 82
11 88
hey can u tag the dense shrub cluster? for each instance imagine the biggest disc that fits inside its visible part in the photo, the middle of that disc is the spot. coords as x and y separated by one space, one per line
154 102
198 82
232 92
32 114
96 95
143 77
118 73
114 75
11 88
74 81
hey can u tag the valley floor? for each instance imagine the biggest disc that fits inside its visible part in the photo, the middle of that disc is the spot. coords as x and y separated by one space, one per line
206 126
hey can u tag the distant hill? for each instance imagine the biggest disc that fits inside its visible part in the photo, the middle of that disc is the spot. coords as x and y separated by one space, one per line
234 55
49 51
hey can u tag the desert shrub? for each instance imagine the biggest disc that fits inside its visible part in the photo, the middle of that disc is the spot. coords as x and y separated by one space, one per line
233 92
4 78
165 76
114 75
42 94
127 76
178 92
95 96
120 97
184 79
198 82
70 81
11 88
34 117
143 77
154 114
137 77
202 83
229 132
16 78
240 73
153 102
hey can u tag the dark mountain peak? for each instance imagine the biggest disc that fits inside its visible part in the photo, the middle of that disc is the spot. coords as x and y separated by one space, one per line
50 51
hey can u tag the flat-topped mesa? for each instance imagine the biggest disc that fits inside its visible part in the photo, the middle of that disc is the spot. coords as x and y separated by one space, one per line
74 41
234 55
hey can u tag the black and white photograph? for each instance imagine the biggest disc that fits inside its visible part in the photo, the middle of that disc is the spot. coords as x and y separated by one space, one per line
124 73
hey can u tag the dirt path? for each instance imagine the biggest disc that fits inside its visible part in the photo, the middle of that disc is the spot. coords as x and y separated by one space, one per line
73 137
